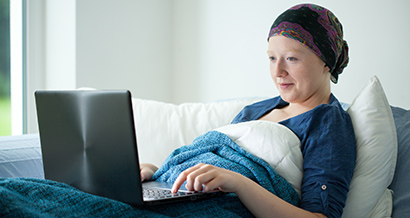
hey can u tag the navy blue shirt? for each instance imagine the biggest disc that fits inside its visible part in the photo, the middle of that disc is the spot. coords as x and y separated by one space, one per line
328 146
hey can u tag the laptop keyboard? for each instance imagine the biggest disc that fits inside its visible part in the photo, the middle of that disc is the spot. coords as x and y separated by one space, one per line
162 193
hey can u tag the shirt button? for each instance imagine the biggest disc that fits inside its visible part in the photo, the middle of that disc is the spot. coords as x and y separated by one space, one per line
324 187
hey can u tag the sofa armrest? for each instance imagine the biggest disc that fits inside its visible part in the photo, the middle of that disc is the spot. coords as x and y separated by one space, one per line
20 156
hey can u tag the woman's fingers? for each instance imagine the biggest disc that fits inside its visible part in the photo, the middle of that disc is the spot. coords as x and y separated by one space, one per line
182 177
147 171
199 178
208 178
194 176
145 174
204 177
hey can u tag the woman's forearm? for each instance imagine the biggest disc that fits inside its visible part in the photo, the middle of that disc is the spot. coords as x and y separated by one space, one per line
262 203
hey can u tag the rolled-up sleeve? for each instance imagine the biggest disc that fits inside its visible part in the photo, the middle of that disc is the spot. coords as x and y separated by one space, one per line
329 152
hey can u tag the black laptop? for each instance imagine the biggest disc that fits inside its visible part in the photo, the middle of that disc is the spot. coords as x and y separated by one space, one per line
88 141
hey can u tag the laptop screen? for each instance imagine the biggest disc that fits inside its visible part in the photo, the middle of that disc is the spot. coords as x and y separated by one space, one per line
88 141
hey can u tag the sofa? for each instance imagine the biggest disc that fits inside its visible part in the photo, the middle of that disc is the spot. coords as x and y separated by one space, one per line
379 187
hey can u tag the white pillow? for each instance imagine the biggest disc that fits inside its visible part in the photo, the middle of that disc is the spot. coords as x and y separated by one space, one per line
163 127
272 142
376 154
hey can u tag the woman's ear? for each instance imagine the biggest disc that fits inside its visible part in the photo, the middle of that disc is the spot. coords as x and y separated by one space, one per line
326 69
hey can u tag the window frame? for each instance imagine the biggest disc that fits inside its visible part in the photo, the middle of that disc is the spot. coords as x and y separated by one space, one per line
27 66
17 66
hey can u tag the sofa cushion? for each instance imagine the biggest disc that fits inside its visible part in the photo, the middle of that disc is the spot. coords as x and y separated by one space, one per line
400 184
163 127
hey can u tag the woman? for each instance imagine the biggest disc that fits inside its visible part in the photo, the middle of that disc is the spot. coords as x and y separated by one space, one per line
306 51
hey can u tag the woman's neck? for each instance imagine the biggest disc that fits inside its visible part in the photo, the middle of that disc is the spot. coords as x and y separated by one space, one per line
296 108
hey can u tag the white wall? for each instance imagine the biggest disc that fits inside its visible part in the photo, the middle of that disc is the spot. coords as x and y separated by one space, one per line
206 50
232 48
125 44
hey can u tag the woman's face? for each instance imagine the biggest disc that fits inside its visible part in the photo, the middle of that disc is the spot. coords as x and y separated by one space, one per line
298 73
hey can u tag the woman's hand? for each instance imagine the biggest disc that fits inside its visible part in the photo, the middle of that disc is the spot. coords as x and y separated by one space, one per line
147 170
262 203
205 177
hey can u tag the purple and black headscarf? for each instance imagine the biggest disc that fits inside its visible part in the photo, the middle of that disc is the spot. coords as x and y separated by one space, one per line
318 29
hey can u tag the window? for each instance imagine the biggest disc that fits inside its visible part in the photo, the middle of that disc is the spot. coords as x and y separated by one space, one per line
11 67
5 103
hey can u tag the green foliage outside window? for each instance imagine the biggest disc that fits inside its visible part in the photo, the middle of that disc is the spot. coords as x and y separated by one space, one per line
5 110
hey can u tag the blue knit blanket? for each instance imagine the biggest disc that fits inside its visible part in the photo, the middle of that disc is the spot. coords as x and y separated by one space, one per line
24 197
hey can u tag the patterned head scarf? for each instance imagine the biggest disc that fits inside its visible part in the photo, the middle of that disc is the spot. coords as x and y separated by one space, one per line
318 29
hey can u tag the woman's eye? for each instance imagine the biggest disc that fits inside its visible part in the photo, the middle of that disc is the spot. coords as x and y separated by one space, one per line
291 58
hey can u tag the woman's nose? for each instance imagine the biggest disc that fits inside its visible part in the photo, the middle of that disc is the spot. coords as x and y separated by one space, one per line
277 69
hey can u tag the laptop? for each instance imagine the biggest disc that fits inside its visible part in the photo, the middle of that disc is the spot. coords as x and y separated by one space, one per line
88 141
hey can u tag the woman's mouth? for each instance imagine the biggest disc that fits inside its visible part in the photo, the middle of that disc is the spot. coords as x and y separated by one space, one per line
284 86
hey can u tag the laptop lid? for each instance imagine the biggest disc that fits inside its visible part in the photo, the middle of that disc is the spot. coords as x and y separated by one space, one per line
88 141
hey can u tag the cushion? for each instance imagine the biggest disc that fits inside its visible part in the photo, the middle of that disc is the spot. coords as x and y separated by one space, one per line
20 156
163 127
272 142
400 184
376 153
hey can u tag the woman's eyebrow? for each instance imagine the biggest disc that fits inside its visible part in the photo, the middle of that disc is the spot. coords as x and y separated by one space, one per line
287 50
